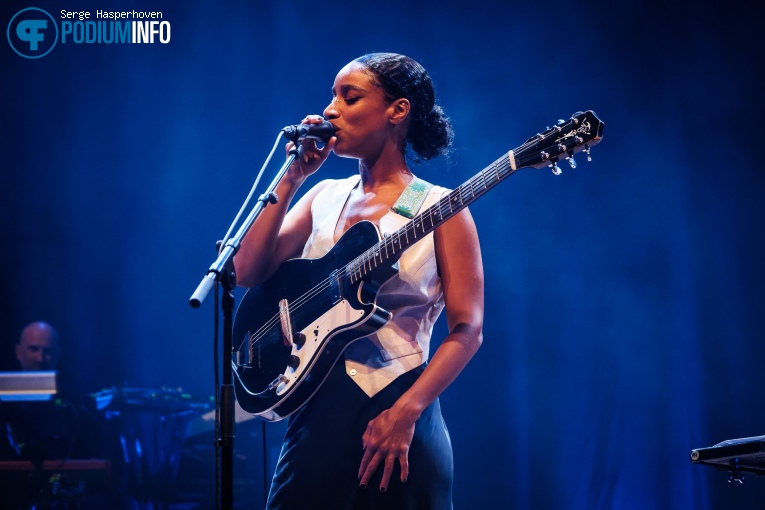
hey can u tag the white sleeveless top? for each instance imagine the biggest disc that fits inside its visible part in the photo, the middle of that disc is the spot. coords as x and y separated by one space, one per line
414 296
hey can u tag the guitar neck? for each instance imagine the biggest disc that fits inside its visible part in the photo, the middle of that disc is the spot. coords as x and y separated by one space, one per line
390 248
582 131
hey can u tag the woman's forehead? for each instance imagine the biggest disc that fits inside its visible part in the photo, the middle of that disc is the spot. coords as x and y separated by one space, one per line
353 75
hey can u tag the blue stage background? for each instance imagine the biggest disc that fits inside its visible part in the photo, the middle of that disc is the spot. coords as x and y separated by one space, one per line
625 312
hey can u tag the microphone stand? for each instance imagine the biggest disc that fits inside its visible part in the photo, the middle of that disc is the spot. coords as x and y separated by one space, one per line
222 271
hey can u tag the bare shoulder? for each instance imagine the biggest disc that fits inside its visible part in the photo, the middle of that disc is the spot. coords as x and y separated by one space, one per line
458 233
300 213
298 223
458 255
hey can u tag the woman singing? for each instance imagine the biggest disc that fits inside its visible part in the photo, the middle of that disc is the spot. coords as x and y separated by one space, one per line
373 436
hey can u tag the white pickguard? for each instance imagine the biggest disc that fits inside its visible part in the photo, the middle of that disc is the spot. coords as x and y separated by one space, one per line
315 340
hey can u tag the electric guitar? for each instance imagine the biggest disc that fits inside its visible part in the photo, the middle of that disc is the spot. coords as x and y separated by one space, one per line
298 323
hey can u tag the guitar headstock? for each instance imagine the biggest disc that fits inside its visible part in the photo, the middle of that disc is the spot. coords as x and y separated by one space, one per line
580 133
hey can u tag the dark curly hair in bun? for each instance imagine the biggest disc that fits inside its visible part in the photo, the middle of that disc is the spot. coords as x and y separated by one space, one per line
430 132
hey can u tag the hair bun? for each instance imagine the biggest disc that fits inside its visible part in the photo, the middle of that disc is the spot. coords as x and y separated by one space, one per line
430 131
432 135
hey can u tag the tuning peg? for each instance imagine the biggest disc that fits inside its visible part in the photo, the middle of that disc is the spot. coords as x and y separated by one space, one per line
555 168
570 158
587 151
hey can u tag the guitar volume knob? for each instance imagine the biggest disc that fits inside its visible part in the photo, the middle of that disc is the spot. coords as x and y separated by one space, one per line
293 362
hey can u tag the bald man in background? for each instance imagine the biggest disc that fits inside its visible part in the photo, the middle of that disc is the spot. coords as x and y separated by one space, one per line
41 430
62 428
39 347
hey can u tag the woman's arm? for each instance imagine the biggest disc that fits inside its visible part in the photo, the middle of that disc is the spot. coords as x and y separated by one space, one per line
389 436
278 235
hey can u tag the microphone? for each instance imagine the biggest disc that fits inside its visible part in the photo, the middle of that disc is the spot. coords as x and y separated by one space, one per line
320 132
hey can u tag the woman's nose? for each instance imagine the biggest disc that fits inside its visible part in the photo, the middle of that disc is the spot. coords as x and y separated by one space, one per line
330 112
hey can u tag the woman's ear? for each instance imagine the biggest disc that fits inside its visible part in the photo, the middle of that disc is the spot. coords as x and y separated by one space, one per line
399 110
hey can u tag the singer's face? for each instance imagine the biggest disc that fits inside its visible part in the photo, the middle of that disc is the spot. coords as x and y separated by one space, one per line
359 111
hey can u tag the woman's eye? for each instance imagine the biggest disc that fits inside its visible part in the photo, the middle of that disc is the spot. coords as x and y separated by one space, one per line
352 100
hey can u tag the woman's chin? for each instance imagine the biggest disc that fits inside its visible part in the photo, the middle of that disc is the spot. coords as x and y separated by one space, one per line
340 151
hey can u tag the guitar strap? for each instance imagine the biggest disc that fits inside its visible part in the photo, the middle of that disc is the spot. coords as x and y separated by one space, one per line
410 201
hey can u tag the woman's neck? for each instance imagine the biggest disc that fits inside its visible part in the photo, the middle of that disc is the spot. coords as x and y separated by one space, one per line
387 169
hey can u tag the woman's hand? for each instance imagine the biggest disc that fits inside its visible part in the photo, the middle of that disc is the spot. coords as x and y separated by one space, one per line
387 439
312 157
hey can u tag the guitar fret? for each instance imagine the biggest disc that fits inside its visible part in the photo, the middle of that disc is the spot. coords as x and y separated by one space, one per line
456 198
481 185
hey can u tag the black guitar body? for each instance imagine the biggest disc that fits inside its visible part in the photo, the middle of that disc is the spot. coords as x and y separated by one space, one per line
312 287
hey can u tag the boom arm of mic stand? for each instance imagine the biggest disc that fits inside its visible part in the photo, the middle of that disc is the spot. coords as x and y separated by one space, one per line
217 269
